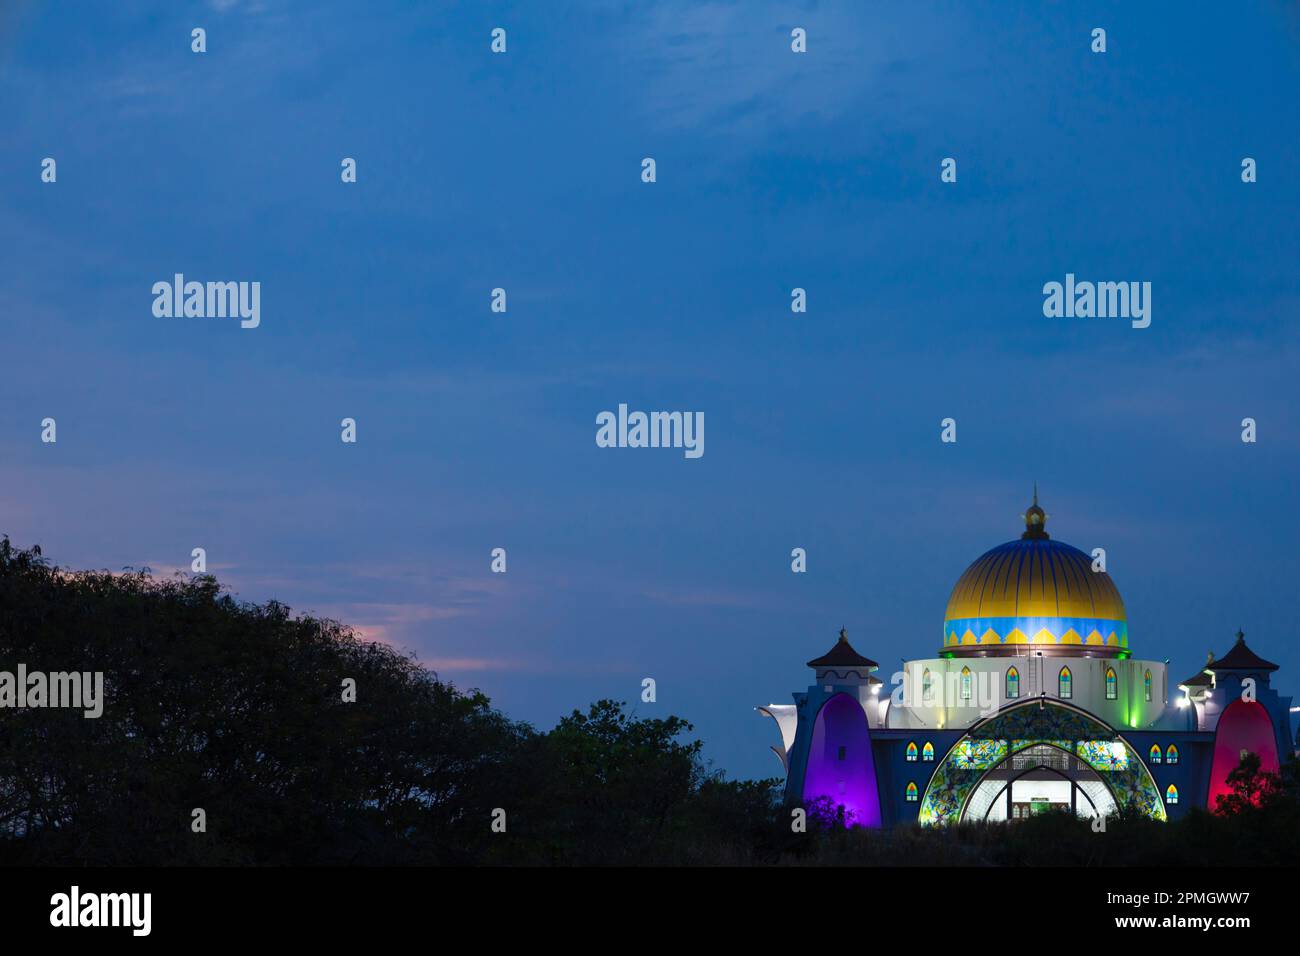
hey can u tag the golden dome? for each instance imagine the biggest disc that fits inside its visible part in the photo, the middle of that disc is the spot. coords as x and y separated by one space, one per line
1034 591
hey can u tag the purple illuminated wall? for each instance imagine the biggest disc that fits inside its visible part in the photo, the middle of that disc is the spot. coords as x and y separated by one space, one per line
847 775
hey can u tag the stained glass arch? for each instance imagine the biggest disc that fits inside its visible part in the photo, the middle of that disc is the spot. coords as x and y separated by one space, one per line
994 740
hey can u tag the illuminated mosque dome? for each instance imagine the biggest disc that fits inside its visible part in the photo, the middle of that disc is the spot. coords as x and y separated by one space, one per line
1035 591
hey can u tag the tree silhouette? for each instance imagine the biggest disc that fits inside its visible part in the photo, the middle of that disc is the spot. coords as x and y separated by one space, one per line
1251 787
236 709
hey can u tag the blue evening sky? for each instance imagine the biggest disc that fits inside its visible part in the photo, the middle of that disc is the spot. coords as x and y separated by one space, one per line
775 170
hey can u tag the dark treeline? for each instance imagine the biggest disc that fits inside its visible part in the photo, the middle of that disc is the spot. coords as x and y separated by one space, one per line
238 709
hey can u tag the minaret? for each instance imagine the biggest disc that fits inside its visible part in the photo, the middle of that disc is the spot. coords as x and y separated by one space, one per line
832 755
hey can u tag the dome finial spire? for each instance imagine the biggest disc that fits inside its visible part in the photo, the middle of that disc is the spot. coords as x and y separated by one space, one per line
1035 520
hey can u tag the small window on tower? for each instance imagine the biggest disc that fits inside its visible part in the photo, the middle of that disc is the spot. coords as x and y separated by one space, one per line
1171 755
1013 683
1146 683
911 792
1171 795
927 752
965 683
1112 685
1154 755
911 751
1063 683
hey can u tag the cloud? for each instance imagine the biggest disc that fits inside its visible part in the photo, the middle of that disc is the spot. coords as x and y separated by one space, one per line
726 66
442 664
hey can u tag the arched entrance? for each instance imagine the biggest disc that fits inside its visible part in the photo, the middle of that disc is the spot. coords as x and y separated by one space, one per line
1037 779
1100 761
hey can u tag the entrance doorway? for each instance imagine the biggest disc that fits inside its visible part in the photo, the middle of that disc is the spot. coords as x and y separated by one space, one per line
1039 779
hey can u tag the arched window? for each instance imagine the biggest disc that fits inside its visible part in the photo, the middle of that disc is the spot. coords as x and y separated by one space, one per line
965 683
927 752
1154 755
1013 683
1146 683
1171 795
1063 689
927 687
1112 685
911 751
1171 755
911 792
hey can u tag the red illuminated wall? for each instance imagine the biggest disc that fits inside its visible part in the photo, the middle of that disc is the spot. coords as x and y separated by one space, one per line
1245 725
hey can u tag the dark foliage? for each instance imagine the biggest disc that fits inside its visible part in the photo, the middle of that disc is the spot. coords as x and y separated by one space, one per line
1252 787
236 709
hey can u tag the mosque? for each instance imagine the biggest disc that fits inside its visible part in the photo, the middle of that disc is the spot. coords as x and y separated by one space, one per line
1034 702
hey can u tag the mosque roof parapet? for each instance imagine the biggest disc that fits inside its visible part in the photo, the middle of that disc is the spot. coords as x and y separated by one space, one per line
1241 658
843 655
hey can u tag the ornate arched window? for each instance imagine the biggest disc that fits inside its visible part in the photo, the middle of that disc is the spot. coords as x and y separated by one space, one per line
1146 683
1171 755
1154 755
965 683
927 752
1112 685
911 792
927 687
1171 795
1063 684
911 751
1013 683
